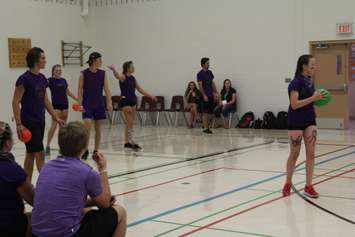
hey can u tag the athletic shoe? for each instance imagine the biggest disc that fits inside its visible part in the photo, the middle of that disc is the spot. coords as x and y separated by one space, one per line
286 191
86 155
128 145
310 192
207 131
48 151
136 147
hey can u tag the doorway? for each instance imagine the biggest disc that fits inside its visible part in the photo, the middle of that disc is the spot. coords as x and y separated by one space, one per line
336 73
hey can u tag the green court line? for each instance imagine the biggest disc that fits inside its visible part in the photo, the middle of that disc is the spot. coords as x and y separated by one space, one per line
338 197
243 203
216 213
218 229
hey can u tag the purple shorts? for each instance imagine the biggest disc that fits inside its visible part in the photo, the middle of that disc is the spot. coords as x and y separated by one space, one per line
94 114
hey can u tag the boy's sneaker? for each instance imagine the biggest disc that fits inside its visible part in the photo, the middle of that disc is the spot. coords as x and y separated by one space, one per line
136 147
128 145
207 131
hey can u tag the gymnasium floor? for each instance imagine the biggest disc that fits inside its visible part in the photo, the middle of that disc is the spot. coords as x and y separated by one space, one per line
228 184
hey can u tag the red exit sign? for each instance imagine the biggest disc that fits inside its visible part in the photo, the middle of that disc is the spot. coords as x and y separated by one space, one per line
345 28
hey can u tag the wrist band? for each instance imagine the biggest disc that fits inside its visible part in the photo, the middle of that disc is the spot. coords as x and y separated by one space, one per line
104 171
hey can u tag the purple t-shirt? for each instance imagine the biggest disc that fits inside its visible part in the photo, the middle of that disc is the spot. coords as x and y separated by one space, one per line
58 88
93 87
12 176
128 88
32 103
305 87
60 196
206 77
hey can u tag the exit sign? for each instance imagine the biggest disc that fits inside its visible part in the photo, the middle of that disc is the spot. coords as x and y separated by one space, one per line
345 28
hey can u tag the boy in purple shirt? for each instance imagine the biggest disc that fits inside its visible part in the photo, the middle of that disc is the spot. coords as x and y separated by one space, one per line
302 122
208 89
29 103
59 94
63 186
128 86
14 187
92 83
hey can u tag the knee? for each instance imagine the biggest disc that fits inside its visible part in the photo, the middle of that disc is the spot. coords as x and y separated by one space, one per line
128 111
121 213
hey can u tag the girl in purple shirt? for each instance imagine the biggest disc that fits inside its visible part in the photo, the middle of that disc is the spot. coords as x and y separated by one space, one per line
59 93
128 86
29 103
302 122
92 83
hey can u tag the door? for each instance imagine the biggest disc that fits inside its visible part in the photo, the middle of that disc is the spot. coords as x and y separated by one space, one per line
332 73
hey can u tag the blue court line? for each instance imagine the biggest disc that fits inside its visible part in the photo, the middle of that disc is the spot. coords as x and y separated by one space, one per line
138 222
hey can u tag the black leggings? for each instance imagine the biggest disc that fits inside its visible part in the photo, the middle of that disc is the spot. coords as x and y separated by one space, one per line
224 110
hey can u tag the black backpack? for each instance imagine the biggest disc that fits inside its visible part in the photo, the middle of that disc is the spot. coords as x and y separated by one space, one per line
269 120
246 121
258 124
282 120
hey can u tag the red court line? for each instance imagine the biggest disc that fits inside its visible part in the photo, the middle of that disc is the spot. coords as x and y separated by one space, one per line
335 176
254 207
166 182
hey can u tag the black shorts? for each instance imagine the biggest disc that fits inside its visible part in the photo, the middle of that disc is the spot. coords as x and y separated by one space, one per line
94 113
208 106
125 102
36 142
17 230
102 222
60 107
301 127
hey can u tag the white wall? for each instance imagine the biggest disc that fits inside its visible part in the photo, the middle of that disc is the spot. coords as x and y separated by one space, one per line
251 42
46 24
321 16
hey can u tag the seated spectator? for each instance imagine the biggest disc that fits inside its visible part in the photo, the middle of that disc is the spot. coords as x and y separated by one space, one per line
14 186
228 102
193 100
62 207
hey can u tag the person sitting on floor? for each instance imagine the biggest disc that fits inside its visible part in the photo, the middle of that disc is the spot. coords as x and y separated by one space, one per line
61 207
15 187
